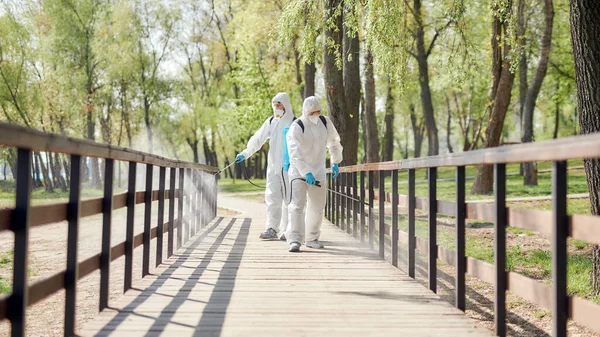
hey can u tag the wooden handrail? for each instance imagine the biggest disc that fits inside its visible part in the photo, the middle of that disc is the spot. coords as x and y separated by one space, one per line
585 146
17 136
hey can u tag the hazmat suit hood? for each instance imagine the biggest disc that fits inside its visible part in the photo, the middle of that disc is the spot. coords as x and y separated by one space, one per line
311 104
285 100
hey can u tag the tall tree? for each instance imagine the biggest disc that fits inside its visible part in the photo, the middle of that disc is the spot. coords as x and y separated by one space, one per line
388 138
334 75
155 29
530 169
500 91
369 118
585 37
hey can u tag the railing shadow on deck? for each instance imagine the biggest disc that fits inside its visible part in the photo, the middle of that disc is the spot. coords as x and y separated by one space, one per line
213 314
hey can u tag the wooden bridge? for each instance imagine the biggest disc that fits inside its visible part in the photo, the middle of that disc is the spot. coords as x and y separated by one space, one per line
212 276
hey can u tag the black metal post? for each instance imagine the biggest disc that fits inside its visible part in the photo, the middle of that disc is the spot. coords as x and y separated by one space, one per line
161 214
215 193
362 206
333 187
343 200
432 175
560 304
130 226
349 201
460 238
395 218
20 227
201 199
107 205
180 208
147 220
382 214
355 205
338 204
72 272
500 249
194 203
173 176
411 223
371 207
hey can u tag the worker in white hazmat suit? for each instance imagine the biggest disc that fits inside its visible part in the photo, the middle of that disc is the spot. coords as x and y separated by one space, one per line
272 129
307 140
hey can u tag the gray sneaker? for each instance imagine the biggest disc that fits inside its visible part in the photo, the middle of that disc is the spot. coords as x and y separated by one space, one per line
314 244
294 247
282 237
268 234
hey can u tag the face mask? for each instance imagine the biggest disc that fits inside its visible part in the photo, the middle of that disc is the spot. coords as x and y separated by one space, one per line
278 113
314 119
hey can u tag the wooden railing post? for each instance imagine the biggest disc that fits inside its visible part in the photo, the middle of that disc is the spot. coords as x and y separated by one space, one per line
107 205
201 199
20 226
194 203
72 272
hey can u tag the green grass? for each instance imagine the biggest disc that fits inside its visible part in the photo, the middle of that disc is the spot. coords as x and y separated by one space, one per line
40 196
4 287
241 185
535 263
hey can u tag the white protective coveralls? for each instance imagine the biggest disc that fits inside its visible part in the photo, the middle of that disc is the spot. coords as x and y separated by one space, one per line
272 129
307 151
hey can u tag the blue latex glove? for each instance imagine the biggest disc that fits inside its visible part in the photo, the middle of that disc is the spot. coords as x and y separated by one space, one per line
335 170
286 167
310 179
239 158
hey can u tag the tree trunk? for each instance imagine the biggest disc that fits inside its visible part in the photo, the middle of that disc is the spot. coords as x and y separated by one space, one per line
47 182
352 87
67 170
388 152
418 130
370 119
448 125
556 113
334 78
309 79
58 172
500 95
426 101
530 169
148 123
585 38
4 170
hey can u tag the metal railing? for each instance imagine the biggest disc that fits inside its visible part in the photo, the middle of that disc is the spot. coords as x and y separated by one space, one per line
350 208
195 195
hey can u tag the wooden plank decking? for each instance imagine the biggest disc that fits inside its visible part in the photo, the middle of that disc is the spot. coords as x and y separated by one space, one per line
227 282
